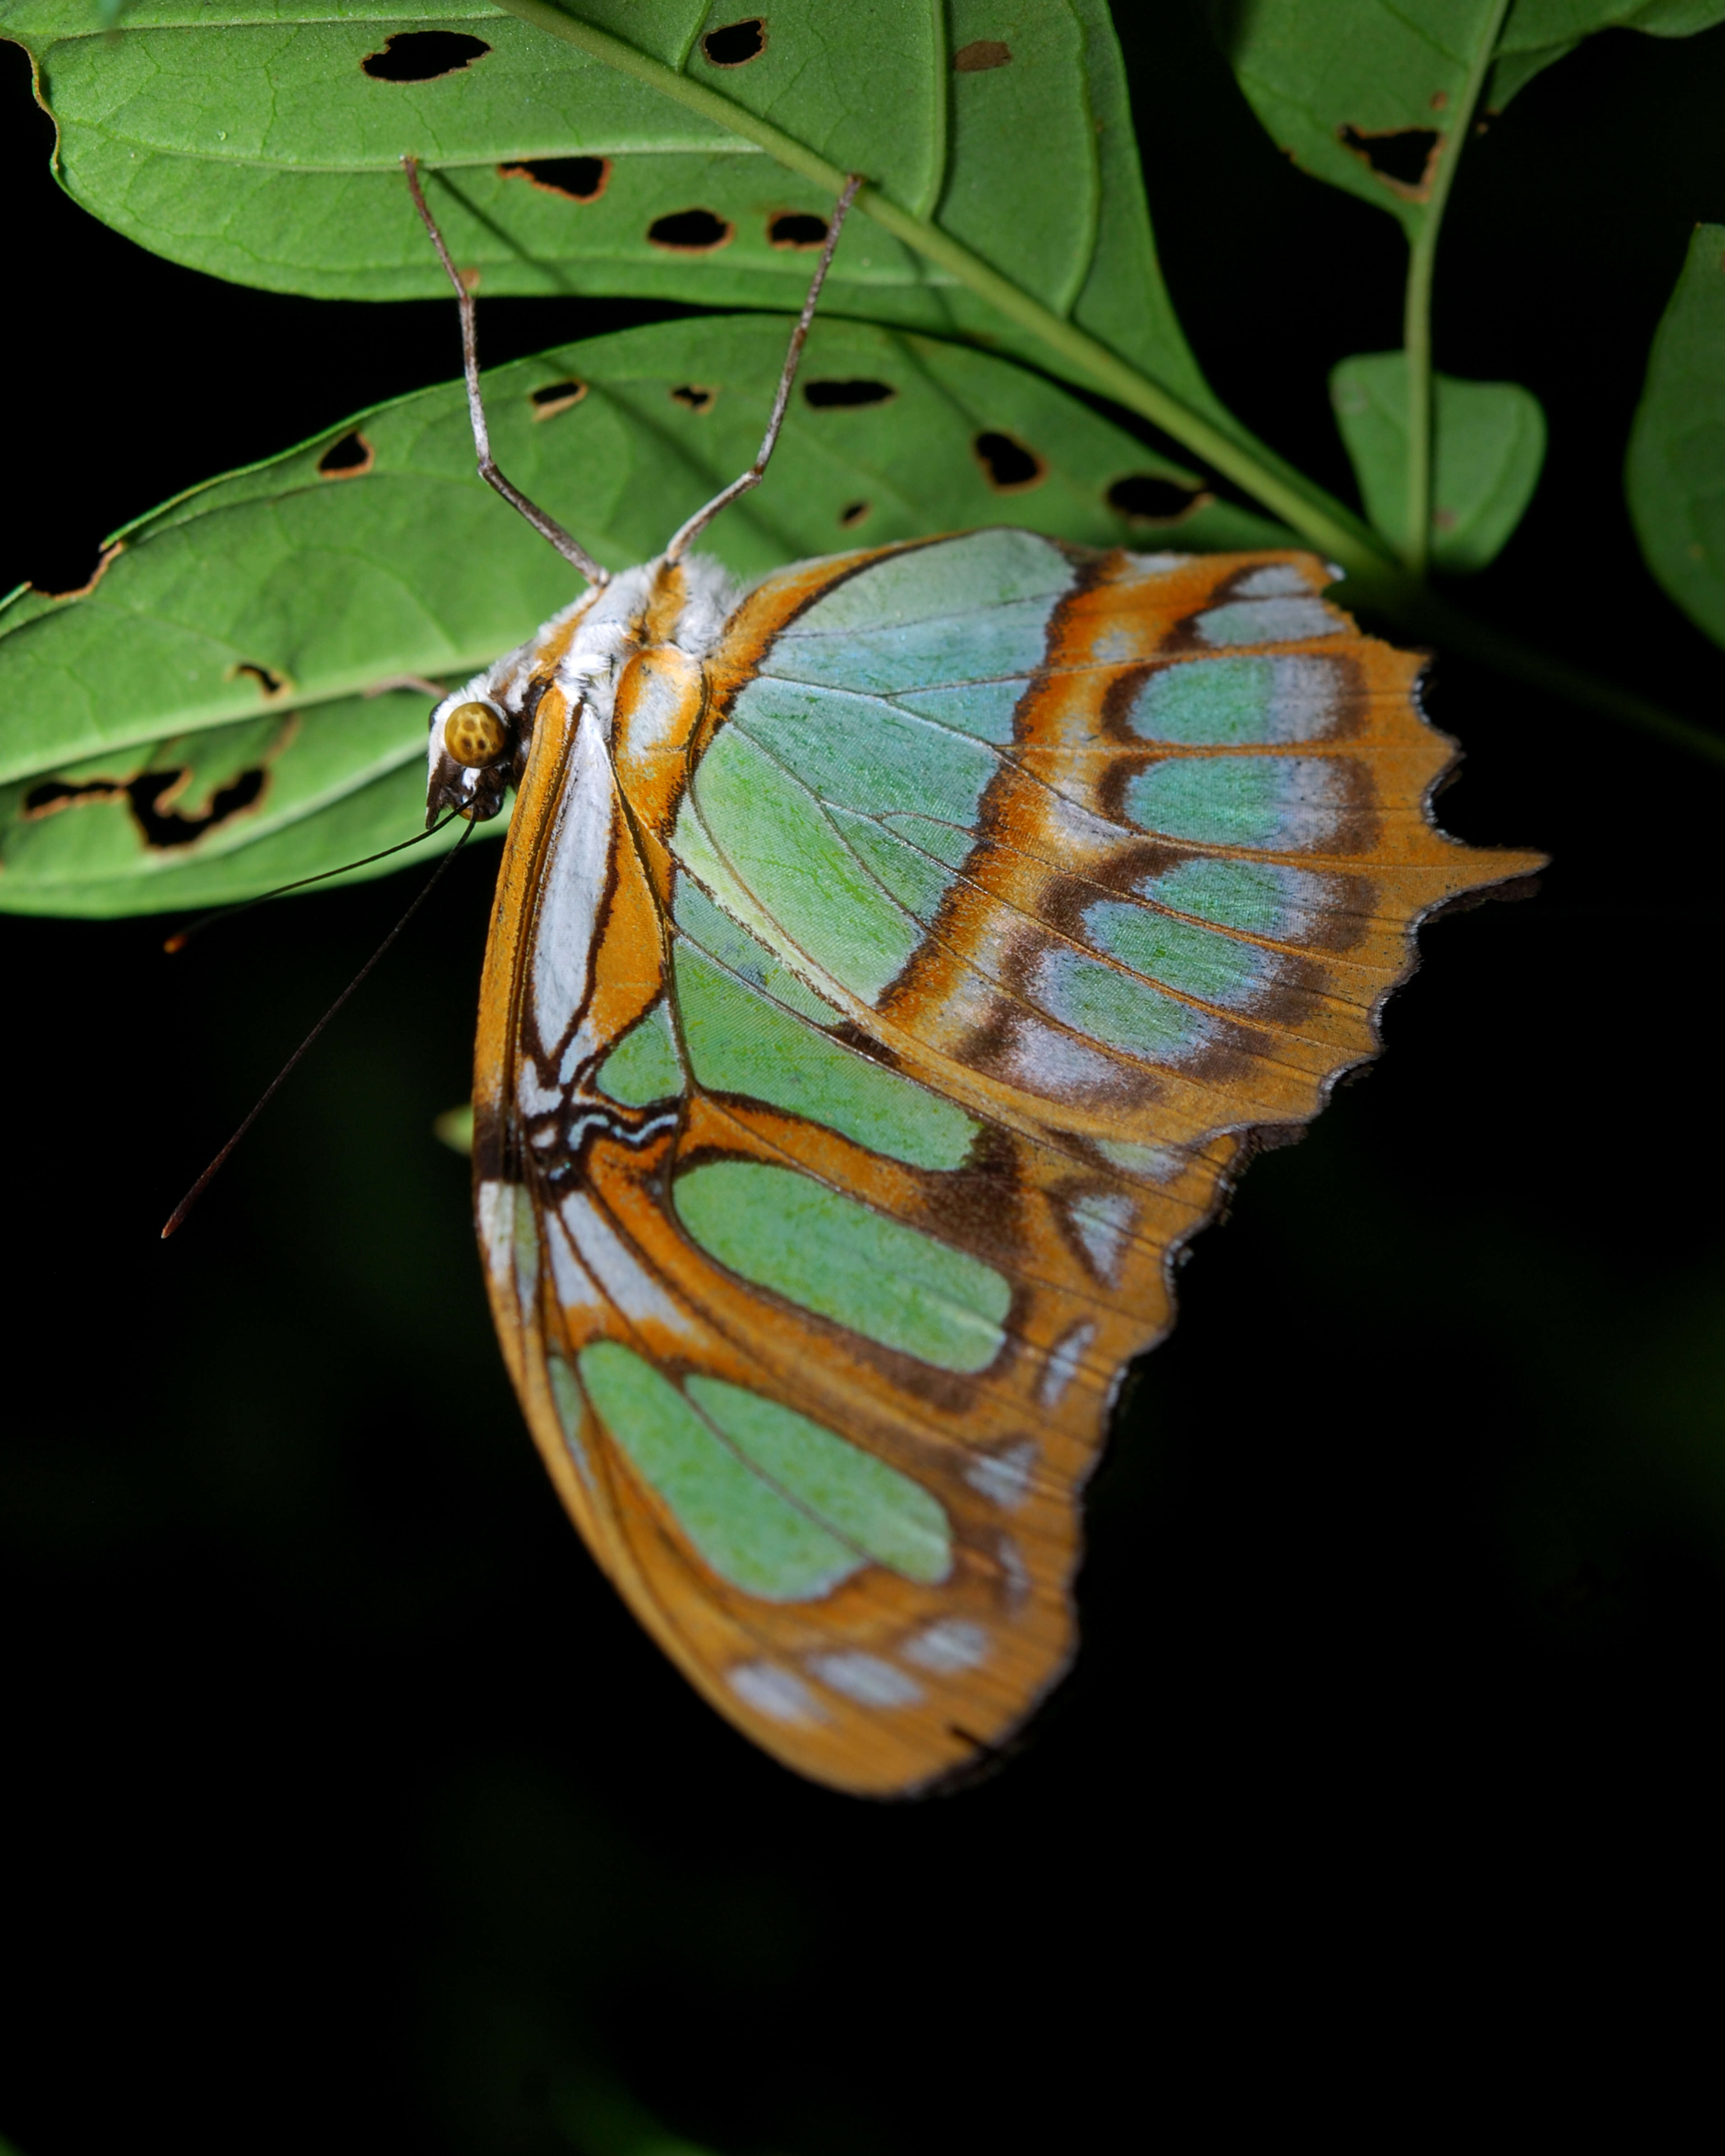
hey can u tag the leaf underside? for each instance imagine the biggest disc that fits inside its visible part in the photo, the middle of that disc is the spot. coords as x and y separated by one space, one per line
229 642
250 142
1356 91
1675 473
1489 440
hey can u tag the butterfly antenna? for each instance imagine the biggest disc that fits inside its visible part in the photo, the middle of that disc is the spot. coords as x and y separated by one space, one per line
275 1084
181 936
547 527
702 517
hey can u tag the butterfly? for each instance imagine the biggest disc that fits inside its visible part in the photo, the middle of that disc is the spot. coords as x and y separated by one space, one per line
890 966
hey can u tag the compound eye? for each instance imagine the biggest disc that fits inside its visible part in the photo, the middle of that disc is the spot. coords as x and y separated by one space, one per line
475 736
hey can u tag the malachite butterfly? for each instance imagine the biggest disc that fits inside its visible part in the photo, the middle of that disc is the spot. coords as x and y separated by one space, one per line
889 967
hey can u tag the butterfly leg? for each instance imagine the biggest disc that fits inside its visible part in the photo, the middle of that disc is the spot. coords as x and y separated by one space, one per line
547 527
690 532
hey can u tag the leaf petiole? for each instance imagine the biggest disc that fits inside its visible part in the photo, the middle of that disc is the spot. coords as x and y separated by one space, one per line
1416 315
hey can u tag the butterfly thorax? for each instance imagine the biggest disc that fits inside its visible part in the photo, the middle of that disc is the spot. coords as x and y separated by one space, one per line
629 653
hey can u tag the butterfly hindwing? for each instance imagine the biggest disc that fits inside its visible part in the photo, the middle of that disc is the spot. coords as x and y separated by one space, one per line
869 1016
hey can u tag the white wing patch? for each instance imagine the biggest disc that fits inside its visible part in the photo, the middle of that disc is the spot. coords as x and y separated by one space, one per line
1063 1363
949 1645
774 1692
1101 1221
1003 1477
573 885
866 1679
574 1284
495 1206
621 1276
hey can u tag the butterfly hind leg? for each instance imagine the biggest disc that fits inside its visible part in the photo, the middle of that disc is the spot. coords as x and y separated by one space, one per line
685 536
547 527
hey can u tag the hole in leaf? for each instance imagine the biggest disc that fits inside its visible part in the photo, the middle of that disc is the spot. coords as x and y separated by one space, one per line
423 55
853 513
54 794
163 826
272 685
690 232
980 55
557 396
796 228
1150 500
575 179
1009 466
84 590
348 457
1402 158
694 396
834 395
736 43
150 795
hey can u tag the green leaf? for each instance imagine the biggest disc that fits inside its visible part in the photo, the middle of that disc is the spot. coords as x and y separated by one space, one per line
1357 91
232 635
1676 475
245 138
1489 442
1541 31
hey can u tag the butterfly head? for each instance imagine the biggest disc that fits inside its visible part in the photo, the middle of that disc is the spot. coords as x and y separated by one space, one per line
474 752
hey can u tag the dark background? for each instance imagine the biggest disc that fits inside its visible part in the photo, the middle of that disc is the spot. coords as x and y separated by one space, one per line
345 1807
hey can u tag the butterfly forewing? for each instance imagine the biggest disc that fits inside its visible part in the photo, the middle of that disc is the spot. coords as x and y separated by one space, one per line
870 1013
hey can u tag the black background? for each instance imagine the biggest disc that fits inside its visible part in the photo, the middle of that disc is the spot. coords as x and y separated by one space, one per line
345 1807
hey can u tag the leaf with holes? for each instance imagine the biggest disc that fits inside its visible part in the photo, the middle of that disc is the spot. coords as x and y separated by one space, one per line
1677 454
1356 91
261 142
1490 443
1541 31
197 725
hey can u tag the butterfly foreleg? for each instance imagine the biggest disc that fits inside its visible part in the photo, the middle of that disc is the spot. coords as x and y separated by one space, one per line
690 532
547 527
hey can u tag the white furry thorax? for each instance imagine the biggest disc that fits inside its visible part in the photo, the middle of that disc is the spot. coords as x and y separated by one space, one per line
609 626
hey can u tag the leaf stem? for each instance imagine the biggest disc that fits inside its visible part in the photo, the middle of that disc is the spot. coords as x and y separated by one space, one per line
1416 311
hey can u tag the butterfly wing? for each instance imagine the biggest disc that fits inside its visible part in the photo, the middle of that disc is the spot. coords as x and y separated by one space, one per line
847 1078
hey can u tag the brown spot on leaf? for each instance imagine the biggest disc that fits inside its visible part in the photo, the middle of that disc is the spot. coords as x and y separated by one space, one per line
1404 158
151 795
853 513
980 54
1008 465
834 394
557 396
274 686
796 228
691 231
1146 498
423 55
84 590
351 457
162 824
735 44
54 794
694 397
574 179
